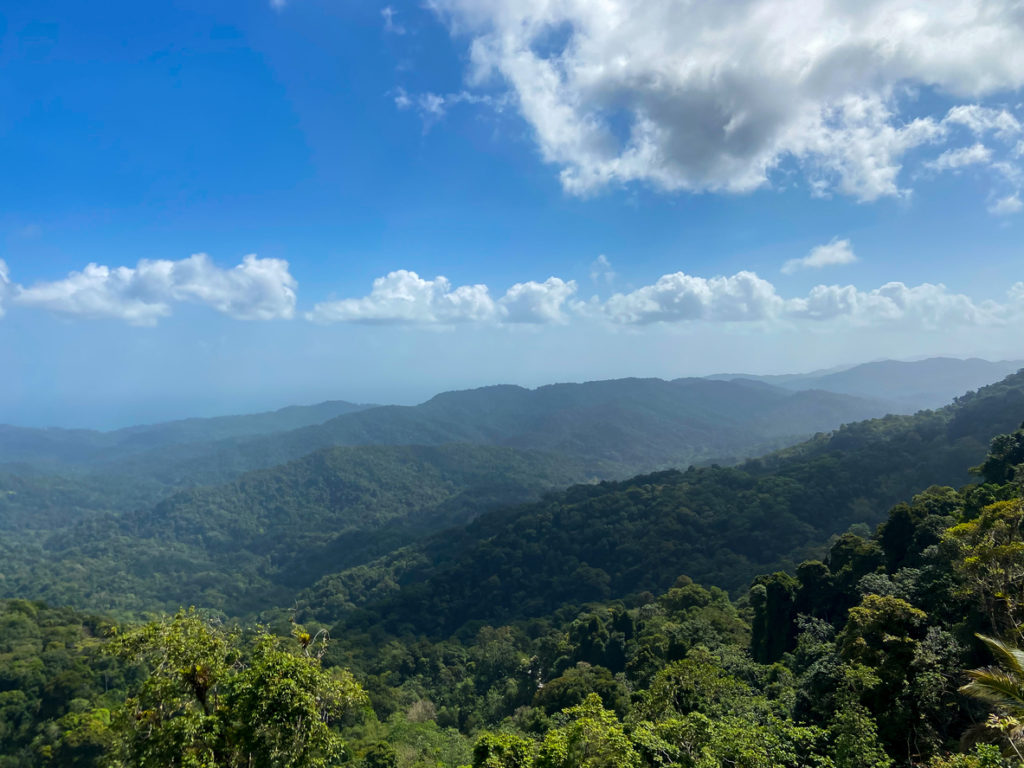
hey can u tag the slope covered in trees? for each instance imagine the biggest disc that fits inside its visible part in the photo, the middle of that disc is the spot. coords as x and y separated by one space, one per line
859 659
721 525
52 449
622 426
251 543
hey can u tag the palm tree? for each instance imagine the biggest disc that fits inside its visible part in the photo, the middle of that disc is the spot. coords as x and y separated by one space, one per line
1002 686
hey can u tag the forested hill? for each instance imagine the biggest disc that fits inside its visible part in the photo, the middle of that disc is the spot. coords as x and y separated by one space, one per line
631 424
63 448
909 386
252 543
719 525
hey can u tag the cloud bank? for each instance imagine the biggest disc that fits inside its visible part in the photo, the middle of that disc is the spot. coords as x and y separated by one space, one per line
402 297
264 289
718 96
256 289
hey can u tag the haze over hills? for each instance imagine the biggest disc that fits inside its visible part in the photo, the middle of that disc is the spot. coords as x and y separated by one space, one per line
251 543
624 425
618 427
720 526
256 541
908 385
71 447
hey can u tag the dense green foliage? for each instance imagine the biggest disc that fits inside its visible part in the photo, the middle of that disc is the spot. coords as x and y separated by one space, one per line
57 687
620 427
723 525
254 542
856 660
553 634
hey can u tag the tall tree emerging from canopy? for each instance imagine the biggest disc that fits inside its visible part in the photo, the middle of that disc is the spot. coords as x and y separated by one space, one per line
213 698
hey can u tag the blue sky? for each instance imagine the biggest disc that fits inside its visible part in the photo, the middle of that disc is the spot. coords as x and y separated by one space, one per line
605 196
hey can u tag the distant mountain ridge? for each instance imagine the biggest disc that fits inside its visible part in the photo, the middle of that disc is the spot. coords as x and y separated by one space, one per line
56 446
911 386
719 525
631 424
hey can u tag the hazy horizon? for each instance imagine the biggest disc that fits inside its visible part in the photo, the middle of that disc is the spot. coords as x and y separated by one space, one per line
127 413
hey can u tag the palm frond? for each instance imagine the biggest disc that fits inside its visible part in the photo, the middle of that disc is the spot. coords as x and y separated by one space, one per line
1010 657
996 686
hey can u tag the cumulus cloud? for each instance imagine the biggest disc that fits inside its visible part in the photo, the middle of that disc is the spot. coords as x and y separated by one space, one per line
745 297
534 302
676 297
927 306
256 289
831 254
404 297
718 96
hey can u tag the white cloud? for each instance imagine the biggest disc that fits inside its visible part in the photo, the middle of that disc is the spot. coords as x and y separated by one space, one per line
716 96
980 120
5 284
388 13
1007 205
927 306
534 302
955 159
677 297
745 297
404 297
256 289
432 107
601 270
833 253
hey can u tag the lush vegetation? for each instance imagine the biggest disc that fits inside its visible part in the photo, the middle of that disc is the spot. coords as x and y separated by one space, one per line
833 605
722 526
256 541
859 659
619 427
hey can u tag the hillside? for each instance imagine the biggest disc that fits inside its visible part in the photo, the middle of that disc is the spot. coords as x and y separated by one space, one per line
54 448
908 386
719 525
252 543
626 425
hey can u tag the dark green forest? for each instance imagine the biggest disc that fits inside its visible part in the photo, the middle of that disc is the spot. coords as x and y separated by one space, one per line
854 600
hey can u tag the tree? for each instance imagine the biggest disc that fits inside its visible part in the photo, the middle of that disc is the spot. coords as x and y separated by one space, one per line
1002 686
991 549
502 750
591 738
213 699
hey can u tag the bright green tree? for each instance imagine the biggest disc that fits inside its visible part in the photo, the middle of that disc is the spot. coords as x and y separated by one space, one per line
592 737
213 699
